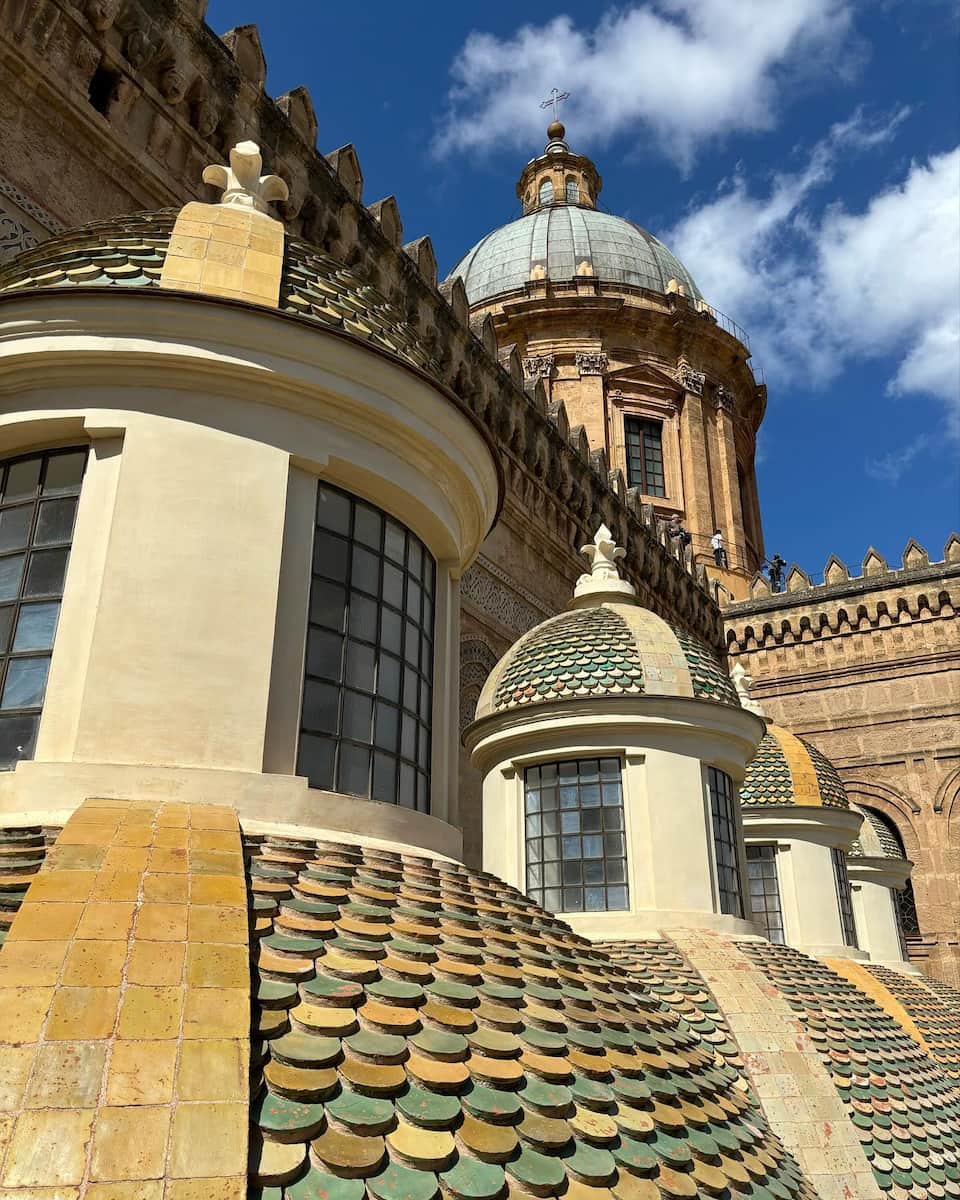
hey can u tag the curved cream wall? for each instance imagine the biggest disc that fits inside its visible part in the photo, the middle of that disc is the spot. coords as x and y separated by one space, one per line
665 746
804 836
178 662
873 882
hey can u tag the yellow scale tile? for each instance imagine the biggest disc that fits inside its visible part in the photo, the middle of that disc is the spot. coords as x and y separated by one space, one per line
124 985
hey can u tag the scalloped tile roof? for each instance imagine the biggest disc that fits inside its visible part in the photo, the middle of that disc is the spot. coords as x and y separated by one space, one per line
788 770
423 1028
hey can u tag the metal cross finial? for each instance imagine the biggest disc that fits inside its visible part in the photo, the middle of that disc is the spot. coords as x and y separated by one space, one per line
554 99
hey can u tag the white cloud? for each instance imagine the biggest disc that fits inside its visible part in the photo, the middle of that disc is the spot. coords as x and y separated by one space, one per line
820 288
688 70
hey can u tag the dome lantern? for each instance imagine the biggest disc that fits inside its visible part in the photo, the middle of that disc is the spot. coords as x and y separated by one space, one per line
611 745
558 176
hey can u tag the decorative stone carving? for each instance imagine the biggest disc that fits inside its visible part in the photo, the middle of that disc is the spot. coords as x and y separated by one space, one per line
243 185
488 589
722 399
138 48
689 379
101 13
592 364
477 660
14 237
603 554
743 681
172 84
539 366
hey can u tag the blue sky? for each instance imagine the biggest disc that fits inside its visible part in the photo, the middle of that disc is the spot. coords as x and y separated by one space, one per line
801 156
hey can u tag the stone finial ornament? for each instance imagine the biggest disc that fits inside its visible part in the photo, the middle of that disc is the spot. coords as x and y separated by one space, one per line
603 554
243 185
743 681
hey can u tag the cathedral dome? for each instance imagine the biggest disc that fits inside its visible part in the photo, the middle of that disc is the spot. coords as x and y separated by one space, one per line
609 650
555 242
788 770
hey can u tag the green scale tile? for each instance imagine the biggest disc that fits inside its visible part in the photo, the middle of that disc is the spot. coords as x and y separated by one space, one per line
396 1182
318 1185
285 1120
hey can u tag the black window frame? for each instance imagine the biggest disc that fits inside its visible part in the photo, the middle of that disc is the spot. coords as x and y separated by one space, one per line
841 882
370 651
556 868
20 723
764 883
643 451
723 823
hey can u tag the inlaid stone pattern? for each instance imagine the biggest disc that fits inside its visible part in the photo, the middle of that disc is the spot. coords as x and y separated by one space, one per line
935 1011
124 989
668 975
22 851
904 1107
586 652
422 1029
710 680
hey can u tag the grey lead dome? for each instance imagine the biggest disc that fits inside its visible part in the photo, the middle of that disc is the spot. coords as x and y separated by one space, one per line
561 237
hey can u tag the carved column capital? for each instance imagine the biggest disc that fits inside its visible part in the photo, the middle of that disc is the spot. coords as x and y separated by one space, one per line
538 366
723 400
592 364
689 379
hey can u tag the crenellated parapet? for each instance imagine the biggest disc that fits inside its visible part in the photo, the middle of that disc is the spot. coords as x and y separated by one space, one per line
158 96
917 593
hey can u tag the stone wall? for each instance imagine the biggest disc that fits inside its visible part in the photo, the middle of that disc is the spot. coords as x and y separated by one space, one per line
868 668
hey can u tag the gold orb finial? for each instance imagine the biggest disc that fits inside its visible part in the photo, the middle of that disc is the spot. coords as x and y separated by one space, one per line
556 131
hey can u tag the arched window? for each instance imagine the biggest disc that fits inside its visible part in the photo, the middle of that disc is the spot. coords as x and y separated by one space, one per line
576 851
38 506
573 191
546 191
905 901
725 839
844 901
368 692
765 890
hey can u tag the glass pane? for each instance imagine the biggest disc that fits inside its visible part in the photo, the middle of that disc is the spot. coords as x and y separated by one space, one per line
388 678
26 682
385 778
15 527
11 568
18 736
415 558
316 760
367 525
330 556
410 683
386 728
6 620
22 479
408 786
36 626
55 521
361 666
408 738
363 617
354 776
64 472
328 602
392 585
333 510
366 571
324 651
357 716
413 600
394 541
391 628
45 573
320 703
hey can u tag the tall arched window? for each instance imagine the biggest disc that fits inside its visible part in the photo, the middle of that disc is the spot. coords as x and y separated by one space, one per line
725 839
38 506
368 692
844 901
572 190
546 191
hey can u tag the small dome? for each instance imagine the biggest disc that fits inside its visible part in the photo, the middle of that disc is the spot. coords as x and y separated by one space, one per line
130 251
875 839
789 770
608 650
555 241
